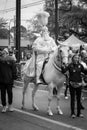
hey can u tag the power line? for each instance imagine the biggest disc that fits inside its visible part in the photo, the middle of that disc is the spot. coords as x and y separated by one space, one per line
33 4
23 6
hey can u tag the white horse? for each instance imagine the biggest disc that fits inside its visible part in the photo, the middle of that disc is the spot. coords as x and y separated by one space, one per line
53 77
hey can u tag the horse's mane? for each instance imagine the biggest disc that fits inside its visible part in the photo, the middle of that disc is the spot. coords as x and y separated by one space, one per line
55 59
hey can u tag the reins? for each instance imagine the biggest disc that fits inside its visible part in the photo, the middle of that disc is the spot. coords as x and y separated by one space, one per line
56 66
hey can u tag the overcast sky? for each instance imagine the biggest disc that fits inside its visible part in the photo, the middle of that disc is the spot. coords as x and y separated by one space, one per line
32 7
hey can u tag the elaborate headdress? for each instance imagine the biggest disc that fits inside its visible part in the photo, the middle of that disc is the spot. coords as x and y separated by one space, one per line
43 14
43 17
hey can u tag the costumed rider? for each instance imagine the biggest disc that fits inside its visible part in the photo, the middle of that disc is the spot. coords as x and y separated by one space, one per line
44 45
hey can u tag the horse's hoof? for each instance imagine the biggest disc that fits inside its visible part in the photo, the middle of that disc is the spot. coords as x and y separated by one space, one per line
50 113
59 111
35 108
22 107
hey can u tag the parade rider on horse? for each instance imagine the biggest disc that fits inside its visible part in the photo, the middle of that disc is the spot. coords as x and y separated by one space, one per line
44 45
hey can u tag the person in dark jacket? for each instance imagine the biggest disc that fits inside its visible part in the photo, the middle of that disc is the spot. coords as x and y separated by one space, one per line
7 75
75 69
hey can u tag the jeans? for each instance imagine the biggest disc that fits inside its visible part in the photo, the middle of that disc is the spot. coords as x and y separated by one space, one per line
75 93
6 88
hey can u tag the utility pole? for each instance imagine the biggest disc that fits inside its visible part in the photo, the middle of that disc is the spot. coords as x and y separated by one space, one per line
9 36
14 31
56 21
18 17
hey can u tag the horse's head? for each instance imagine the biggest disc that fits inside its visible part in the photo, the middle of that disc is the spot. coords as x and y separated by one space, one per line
63 54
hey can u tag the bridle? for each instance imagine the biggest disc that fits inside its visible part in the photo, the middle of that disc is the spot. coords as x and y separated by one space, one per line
58 61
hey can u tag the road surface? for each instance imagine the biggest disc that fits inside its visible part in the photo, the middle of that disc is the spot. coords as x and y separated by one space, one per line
28 119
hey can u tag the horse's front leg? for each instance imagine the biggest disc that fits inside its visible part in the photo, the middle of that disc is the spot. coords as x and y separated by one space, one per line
59 111
50 96
25 86
36 86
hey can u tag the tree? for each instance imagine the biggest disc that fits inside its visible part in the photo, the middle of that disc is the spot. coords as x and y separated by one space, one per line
72 19
84 2
22 29
64 6
3 23
3 29
3 33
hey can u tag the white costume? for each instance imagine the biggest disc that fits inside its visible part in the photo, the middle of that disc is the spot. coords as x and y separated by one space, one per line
43 45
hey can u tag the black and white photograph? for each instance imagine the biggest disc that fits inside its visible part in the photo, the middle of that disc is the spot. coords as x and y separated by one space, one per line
43 64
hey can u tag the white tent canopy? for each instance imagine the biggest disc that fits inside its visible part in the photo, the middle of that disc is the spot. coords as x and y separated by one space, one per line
72 41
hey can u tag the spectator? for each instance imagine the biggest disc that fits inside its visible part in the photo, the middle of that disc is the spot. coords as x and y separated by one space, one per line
12 54
67 75
7 76
75 84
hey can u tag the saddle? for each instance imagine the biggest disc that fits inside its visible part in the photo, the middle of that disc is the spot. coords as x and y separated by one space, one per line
41 75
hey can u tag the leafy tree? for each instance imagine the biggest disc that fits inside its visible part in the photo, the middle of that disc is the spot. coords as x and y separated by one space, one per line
83 1
72 19
64 6
3 23
3 30
22 29
3 33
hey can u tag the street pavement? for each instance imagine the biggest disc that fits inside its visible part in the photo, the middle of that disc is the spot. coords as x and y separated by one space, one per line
28 119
